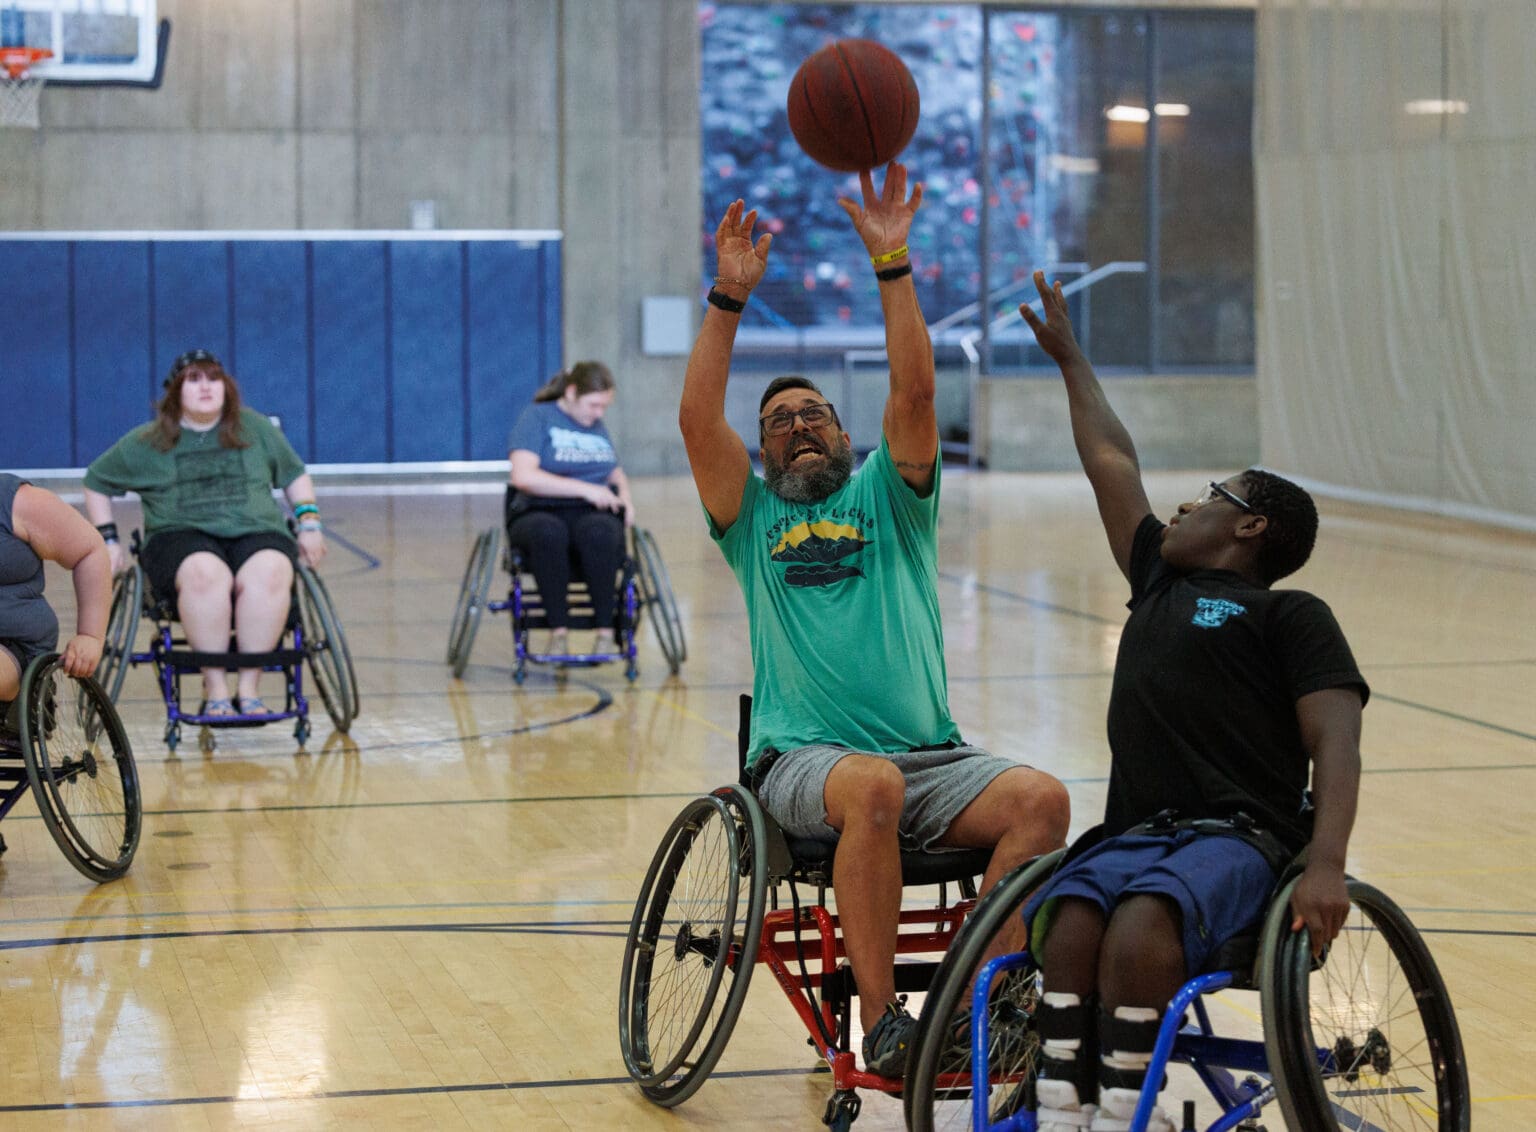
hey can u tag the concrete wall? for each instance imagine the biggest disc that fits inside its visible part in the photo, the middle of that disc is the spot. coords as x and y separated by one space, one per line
580 115
1176 422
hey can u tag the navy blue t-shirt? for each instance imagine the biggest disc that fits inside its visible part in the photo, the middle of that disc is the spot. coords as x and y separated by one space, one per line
1202 714
564 447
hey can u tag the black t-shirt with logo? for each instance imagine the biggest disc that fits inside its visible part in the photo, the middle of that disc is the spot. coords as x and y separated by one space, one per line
1202 715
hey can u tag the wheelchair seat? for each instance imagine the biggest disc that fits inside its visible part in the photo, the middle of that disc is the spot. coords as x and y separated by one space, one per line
312 637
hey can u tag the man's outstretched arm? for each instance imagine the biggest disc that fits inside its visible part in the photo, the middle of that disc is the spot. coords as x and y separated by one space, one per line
1103 444
911 429
716 454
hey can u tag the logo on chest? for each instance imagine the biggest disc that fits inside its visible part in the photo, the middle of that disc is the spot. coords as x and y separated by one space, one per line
1212 612
820 553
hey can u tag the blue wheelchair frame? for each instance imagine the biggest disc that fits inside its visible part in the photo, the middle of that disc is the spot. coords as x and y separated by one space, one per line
1405 1044
323 646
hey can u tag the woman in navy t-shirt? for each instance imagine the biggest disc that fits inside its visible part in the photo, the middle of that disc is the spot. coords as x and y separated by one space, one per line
570 501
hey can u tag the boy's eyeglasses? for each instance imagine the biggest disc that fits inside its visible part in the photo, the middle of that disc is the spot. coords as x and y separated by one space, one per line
1214 490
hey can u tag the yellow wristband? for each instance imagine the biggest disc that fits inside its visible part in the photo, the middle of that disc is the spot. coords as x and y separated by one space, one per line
888 257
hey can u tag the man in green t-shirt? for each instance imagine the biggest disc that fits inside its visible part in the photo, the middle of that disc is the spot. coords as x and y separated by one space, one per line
852 740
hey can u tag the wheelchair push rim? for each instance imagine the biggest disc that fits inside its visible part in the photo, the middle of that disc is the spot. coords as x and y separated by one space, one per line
325 650
474 591
695 933
659 601
938 1092
122 628
1369 1034
80 766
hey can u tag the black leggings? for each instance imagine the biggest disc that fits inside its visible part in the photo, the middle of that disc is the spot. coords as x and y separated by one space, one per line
553 540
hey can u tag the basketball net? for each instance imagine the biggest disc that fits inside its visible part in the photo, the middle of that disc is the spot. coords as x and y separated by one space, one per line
20 92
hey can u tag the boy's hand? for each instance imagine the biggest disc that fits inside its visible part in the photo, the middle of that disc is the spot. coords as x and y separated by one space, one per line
1320 903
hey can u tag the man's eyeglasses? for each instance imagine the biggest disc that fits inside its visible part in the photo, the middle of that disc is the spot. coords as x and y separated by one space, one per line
1214 490
783 420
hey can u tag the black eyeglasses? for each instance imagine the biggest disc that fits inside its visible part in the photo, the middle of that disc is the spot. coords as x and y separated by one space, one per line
783 420
1214 489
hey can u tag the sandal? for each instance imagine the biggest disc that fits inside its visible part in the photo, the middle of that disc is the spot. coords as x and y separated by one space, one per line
254 706
218 708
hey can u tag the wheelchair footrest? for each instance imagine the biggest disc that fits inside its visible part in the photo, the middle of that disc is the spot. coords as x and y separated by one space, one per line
187 661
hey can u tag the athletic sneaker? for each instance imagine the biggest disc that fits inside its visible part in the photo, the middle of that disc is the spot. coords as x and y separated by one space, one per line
886 1044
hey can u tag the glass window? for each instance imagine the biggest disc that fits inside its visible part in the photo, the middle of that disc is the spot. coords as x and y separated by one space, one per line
1205 257
1068 172
1081 109
820 293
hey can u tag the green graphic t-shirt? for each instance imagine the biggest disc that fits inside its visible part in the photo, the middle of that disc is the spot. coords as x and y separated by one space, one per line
843 609
199 484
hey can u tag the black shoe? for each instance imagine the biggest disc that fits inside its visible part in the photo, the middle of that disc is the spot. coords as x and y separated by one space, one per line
886 1044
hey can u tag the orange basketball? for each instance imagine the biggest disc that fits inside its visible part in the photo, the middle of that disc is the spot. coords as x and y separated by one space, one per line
853 105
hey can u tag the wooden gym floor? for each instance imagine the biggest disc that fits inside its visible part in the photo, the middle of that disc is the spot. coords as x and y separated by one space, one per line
420 925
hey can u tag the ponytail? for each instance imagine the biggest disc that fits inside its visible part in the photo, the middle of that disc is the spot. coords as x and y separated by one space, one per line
587 377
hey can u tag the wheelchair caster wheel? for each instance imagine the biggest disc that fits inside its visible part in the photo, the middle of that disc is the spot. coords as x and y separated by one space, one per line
631 673
301 731
519 674
842 1111
2 843
173 735
205 740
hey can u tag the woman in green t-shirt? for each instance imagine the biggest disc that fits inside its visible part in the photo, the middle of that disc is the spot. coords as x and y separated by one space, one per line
217 546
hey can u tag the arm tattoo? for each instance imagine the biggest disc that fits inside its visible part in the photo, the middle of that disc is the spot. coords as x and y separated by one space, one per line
913 466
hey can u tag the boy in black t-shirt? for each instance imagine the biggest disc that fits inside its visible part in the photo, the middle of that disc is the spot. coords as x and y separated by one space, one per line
1224 692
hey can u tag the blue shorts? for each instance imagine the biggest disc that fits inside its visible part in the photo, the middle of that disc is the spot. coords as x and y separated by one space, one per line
1221 885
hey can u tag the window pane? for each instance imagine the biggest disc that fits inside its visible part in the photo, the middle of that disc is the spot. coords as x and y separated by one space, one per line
820 294
1205 180
1069 178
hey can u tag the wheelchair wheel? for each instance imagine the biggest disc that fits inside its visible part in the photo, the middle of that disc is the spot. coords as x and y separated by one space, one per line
473 592
692 944
938 1084
1368 1039
325 649
656 595
81 769
122 628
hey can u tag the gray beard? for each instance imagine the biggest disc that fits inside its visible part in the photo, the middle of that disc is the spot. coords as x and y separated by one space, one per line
814 484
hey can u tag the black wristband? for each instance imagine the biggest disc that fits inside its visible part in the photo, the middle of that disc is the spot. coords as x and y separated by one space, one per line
891 274
718 298
108 531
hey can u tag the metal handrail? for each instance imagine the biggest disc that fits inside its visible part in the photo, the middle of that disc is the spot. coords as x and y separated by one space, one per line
1114 267
973 355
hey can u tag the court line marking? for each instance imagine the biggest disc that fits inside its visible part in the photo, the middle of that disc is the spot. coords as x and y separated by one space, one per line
508 927
404 1091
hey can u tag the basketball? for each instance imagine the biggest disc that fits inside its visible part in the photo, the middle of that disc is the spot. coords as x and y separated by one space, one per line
853 105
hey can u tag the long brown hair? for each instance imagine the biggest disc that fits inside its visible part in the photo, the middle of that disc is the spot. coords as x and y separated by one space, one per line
165 430
587 377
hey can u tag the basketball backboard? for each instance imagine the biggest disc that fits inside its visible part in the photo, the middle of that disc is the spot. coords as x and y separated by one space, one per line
92 41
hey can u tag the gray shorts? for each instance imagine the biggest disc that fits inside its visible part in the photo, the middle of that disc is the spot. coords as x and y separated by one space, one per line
940 784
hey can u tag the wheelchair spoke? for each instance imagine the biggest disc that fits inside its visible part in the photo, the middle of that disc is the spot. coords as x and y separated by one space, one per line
81 770
1377 1014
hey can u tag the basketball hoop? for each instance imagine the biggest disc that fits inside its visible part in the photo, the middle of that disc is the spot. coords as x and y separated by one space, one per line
20 92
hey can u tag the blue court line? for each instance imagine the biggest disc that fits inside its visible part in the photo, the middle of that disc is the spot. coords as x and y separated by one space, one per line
419 1091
